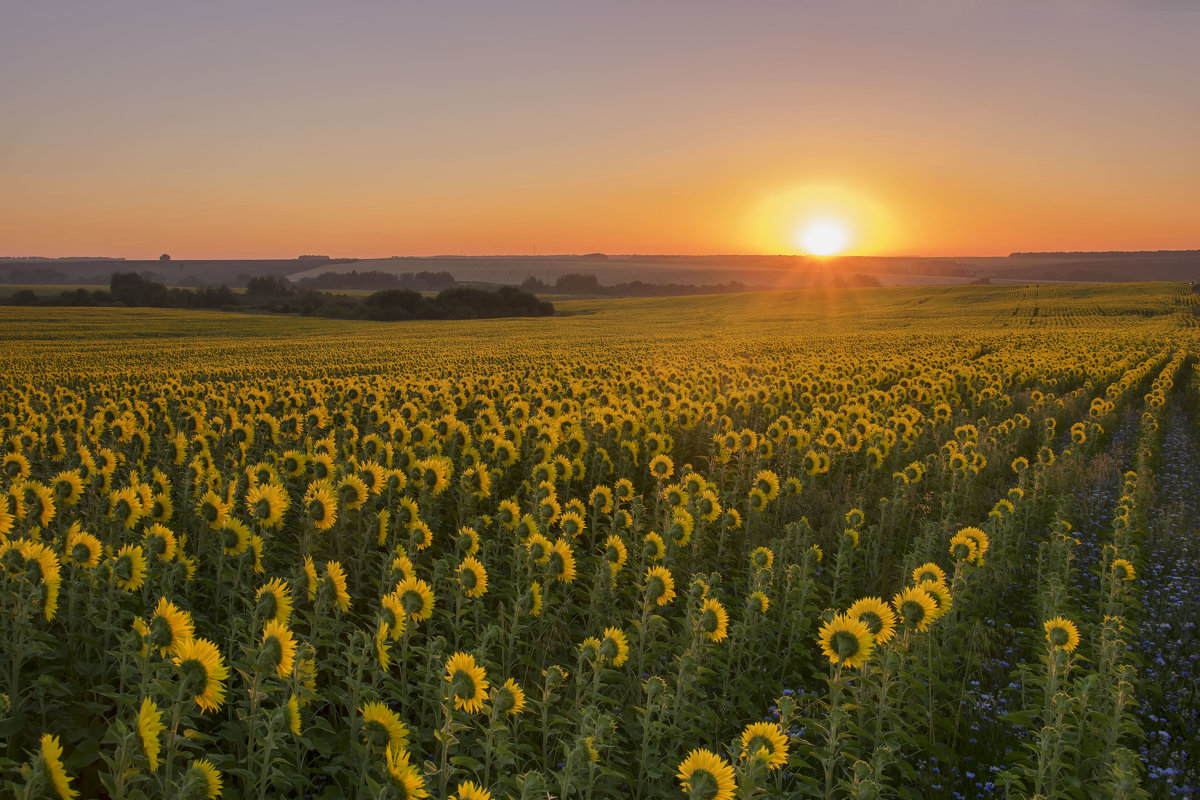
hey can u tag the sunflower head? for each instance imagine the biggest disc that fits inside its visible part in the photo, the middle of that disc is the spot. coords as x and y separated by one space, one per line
660 586
915 608
766 742
877 616
202 672
706 776
614 647
1061 634
713 620
202 780
846 641
468 683
509 698
383 728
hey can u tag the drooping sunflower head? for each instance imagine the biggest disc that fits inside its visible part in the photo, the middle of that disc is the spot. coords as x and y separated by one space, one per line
615 553
1061 634
266 503
212 509
962 547
846 641
656 548
762 558
706 776
767 742
202 672
713 620
468 683
382 727
235 537
877 616
467 790
320 505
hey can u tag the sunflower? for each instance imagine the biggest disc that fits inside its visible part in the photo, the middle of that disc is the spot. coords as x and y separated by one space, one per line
416 598
67 487
421 535
535 593
940 594
41 565
601 499
383 728
765 741
468 540
963 548
278 648
877 616
129 567
929 572
655 547
471 791
159 540
293 714
661 467
538 547
169 627
266 503
150 725
562 561
762 558
320 506
337 578
391 613
81 548
213 509
615 553
713 620
405 777
915 608
660 585
383 645
472 577
571 524
52 757
509 698
846 641
758 602
980 538
202 672
706 776
352 492
273 601
468 682
15 466
205 778
311 581
1123 570
614 646
1061 634
235 537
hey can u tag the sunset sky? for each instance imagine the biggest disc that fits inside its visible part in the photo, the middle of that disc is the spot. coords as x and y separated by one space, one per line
271 129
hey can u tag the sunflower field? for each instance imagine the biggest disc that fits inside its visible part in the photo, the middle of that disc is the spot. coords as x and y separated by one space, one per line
844 544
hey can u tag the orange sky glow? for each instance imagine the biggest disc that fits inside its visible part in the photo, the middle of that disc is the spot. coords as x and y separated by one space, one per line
274 129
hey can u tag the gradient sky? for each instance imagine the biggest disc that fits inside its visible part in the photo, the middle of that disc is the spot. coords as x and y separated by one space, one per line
271 129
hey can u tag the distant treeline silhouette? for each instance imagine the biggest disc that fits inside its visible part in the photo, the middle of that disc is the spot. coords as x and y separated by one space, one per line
377 279
588 284
275 294
1104 253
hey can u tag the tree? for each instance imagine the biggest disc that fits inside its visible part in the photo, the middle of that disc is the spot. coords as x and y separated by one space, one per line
165 257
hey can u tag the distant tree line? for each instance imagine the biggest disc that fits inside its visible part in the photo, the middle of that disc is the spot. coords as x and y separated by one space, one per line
377 279
587 284
276 294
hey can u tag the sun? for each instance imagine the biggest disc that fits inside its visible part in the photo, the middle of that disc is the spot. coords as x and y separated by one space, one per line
824 237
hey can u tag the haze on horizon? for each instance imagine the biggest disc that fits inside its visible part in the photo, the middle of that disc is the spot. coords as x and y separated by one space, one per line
225 129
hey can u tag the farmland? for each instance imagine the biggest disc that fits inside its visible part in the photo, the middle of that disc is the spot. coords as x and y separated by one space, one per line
909 542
